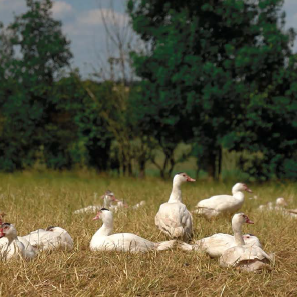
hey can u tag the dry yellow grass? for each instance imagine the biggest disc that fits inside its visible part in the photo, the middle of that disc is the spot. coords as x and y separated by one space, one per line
34 201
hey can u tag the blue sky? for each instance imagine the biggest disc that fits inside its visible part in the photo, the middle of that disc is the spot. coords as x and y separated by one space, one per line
83 25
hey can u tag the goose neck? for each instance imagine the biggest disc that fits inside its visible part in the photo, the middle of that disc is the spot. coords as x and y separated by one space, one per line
105 229
11 238
106 202
238 234
238 195
176 195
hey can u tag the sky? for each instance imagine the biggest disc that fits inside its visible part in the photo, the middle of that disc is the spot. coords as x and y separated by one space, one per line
82 24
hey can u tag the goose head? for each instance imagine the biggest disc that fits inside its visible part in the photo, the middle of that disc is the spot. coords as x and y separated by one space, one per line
239 219
108 197
182 177
251 239
281 202
239 187
105 215
108 194
55 229
8 230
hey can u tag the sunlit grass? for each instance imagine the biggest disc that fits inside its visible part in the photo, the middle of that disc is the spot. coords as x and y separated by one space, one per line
33 200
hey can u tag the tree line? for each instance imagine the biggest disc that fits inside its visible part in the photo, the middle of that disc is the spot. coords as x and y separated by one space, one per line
213 74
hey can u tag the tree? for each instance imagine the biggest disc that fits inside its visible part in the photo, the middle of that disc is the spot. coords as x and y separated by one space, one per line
119 82
207 60
39 52
270 127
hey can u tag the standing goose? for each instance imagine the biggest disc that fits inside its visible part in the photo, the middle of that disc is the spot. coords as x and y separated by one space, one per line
173 217
104 240
223 204
242 256
13 247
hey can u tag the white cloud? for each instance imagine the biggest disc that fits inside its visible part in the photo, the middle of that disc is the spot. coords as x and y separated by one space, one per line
61 8
12 5
94 17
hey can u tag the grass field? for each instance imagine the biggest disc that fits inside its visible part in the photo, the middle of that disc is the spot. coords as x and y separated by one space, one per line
34 201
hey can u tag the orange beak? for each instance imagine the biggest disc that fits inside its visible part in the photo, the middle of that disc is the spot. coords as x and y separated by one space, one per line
97 217
248 221
189 179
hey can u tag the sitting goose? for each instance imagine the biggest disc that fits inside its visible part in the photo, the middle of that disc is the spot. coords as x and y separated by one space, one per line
223 204
104 240
14 247
108 197
50 239
173 217
217 244
279 207
242 256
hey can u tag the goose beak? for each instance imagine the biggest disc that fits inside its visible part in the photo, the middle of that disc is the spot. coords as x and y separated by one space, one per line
248 221
189 179
97 217
1 233
248 190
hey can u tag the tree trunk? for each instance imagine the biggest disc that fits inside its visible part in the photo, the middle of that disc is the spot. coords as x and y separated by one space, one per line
211 166
141 166
130 173
220 158
163 170
172 164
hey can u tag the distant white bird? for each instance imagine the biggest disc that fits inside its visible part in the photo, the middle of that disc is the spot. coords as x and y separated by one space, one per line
242 256
138 205
279 207
173 217
223 204
108 198
104 240
13 247
50 239
281 202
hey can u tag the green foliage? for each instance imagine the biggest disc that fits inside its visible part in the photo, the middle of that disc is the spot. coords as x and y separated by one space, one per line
93 131
38 52
218 76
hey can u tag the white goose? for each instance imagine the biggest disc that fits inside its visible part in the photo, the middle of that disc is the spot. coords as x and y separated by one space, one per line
279 207
217 244
173 217
281 202
14 247
50 239
242 256
104 240
108 198
139 204
223 204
